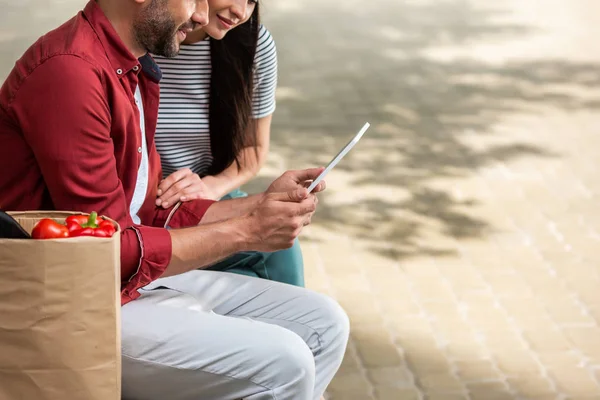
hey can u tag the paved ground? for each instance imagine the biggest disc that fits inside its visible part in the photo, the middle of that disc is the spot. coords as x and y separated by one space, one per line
463 234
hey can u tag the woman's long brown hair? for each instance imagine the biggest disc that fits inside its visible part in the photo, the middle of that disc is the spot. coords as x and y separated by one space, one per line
231 90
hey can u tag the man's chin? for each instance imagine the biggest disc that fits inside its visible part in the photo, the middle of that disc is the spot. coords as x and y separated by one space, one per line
168 52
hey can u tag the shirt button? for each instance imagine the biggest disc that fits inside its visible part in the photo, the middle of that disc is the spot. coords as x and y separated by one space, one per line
136 68
139 149
119 71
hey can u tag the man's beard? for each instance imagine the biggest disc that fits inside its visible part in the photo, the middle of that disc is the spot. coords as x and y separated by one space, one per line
156 31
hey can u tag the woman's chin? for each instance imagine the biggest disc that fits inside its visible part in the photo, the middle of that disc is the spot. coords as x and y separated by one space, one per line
216 34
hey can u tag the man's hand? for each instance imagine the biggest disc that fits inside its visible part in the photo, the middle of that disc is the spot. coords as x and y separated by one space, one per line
278 219
293 180
182 185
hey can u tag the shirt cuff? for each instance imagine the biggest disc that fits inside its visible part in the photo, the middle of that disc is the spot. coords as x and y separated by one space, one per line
149 256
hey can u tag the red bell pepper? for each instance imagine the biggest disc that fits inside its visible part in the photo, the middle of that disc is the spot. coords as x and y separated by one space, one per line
77 221
48 228
75 226
81 225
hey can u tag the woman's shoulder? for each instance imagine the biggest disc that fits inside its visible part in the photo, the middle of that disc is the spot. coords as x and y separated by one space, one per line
266 43
264 33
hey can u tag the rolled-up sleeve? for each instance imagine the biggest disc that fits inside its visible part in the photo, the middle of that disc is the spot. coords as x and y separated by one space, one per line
145 253
152 252
70 136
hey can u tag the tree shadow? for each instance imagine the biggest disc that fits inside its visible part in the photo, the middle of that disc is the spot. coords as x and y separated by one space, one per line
342 67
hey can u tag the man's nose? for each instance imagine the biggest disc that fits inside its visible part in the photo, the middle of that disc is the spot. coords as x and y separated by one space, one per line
200 16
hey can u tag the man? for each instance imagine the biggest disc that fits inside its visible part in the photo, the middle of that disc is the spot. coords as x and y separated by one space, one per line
77 120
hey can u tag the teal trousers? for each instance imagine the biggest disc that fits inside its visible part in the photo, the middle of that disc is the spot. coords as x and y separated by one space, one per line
286 266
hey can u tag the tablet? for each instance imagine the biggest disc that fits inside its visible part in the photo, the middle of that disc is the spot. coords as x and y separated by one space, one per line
339 156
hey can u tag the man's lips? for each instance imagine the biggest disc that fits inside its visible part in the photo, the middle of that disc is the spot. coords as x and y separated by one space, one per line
182 33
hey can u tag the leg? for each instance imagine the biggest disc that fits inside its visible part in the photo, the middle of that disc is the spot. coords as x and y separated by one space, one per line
318 320
175 349
286 266
249 263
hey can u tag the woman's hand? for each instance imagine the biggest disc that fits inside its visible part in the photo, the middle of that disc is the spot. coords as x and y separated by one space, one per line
182 185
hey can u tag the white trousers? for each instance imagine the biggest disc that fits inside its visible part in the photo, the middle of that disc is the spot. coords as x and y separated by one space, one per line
207 335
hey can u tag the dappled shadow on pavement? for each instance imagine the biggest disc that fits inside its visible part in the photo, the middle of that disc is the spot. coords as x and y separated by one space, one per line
340 68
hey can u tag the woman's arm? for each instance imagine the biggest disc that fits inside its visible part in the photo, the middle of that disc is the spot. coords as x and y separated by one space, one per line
184 185
251 161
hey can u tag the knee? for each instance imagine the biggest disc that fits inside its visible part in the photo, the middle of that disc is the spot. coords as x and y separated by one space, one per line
292 353
293 363
337 330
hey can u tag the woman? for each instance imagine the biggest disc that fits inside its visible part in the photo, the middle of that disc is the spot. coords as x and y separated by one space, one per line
217 100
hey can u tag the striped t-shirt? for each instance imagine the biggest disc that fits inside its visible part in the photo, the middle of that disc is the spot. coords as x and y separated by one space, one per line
182 132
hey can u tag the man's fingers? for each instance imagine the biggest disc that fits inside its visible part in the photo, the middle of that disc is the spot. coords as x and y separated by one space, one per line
308 220
295 195
308 206
320 187
301 193
309 174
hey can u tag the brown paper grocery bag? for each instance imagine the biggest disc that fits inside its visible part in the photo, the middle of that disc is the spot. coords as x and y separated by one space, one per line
59 316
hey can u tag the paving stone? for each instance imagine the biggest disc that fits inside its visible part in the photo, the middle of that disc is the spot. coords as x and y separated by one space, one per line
531 386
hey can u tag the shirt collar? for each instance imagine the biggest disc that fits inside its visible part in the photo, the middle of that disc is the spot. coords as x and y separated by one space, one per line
150 67
121 59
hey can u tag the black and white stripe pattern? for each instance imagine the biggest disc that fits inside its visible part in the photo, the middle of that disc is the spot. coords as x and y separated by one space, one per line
182 132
